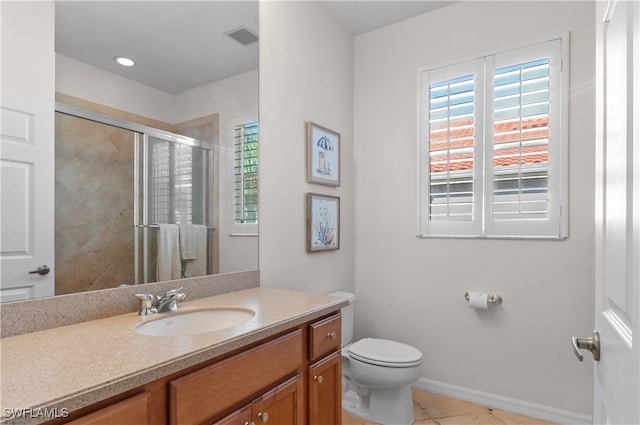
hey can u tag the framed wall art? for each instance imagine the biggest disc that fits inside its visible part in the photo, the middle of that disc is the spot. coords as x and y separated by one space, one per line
323 222
323 155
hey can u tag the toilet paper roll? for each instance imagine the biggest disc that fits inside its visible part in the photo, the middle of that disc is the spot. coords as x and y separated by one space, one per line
479 300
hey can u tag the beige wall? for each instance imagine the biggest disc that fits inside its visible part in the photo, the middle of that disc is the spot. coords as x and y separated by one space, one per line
78 79
306 74
27 48
407 288
521 349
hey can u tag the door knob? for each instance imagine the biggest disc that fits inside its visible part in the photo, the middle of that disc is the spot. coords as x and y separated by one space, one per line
592 344
41 270
264 416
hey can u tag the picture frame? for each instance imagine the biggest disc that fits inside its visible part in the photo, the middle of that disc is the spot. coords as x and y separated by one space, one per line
323 222
323 155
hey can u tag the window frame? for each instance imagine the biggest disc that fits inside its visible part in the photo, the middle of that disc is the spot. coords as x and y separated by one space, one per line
483 225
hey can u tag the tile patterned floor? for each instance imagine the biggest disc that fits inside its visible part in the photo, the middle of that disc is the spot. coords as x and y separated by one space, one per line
433 409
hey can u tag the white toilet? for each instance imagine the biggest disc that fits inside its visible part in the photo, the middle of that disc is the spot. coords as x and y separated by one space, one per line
376 374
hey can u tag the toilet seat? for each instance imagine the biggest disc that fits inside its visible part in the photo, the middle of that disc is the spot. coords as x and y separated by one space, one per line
382 352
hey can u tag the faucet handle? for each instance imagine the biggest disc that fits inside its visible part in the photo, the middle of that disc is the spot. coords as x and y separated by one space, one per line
146 304
173 291
144 297
176 293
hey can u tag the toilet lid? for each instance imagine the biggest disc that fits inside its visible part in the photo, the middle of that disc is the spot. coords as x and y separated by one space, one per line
385 353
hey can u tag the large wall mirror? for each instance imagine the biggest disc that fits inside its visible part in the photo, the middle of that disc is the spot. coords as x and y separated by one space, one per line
156 182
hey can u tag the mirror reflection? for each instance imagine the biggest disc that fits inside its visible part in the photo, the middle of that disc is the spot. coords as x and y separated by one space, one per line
144 196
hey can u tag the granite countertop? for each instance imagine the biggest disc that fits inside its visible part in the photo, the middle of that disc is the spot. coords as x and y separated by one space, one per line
73 366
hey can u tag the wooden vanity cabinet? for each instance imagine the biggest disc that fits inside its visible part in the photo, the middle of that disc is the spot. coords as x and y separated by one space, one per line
145 404
325 336
283 404
325 391
209 392
291 379
325 373
131 411
239 417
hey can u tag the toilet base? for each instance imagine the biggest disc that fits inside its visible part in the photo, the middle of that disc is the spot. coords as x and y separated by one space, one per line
385 406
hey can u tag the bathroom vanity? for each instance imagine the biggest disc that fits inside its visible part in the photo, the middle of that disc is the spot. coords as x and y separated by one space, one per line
283 366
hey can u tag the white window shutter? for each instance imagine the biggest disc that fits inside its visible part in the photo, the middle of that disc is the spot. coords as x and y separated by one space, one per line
451 146
244 134
493 145
524 157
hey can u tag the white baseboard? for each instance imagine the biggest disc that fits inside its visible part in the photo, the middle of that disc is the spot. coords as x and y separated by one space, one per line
520 407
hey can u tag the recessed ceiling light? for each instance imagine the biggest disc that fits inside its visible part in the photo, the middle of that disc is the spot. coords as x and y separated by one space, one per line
124 61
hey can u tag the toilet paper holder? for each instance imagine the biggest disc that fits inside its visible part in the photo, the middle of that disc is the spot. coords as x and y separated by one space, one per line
493 298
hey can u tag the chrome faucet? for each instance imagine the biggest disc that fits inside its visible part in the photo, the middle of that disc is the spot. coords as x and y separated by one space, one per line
150 304
169 302
146 304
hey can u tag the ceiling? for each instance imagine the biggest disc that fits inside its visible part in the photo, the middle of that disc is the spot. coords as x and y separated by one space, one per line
360 16
180 45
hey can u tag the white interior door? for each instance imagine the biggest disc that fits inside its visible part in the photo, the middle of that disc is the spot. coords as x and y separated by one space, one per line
27 197
617 317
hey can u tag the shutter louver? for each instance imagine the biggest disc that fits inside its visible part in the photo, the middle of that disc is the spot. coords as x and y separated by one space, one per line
160 186
451 149
171 182
521 141
246 173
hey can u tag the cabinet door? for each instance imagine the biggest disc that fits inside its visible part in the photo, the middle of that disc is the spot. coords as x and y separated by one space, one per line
325 391
239 417
206 393
283 405
132 411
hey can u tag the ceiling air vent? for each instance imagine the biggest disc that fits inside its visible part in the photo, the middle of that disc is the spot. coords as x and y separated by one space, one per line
243 35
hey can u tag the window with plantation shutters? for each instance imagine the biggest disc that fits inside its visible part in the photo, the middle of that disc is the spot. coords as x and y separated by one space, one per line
245 173
493 146
175 188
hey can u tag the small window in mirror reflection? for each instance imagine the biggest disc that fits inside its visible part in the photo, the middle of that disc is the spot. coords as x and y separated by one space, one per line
245 138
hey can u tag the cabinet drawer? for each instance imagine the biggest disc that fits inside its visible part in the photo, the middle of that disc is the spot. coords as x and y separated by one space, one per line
132 411
324 336
203 394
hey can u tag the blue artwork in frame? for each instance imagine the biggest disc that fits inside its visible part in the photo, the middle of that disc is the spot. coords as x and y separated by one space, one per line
323 155
323 222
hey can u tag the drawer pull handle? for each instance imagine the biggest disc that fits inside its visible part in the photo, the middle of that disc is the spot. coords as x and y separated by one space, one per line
264 416
318 378
249 423
331 335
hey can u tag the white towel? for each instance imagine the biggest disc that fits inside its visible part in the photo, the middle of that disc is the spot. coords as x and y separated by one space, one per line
188 242
198 266
169 266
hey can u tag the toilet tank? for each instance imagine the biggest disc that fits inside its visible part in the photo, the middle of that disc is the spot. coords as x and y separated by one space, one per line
347 315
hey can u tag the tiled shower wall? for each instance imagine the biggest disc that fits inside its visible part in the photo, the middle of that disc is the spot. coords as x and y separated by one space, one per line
93 205
94 244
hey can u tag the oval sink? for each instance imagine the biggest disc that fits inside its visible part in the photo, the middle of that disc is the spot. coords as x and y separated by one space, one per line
196 322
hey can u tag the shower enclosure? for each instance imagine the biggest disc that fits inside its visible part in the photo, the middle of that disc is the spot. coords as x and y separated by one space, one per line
119 185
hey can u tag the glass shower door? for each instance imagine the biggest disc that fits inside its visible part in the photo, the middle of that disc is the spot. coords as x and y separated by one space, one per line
174 197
